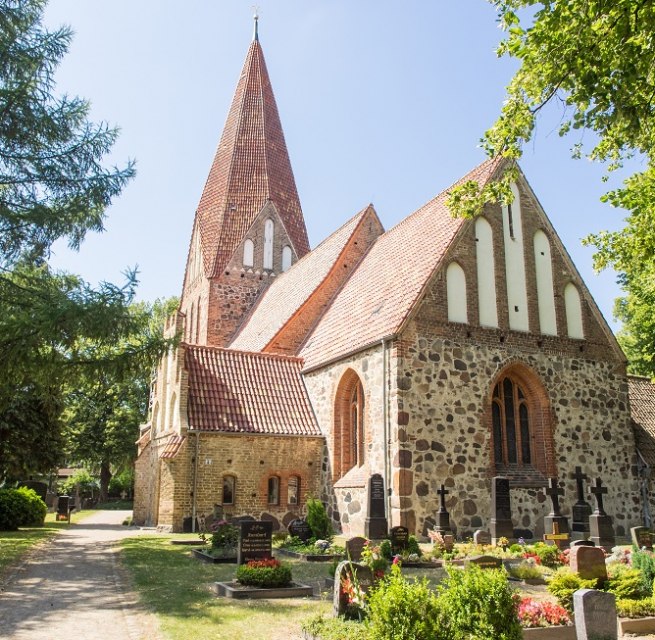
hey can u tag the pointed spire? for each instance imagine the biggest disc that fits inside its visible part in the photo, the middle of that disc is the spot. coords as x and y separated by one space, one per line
255 35
251 166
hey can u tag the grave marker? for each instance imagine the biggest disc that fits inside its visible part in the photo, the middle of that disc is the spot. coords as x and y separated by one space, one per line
595 615
641 537
482 537
255 541
600 524
375 526
560 539
588 562
485 562
443 517
300 529
581 509
501 525
347 575
354 548
555 521
41 488
399 539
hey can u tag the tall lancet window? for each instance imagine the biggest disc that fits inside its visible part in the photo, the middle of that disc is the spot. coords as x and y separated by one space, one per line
456 293
269 230
286 257
248 253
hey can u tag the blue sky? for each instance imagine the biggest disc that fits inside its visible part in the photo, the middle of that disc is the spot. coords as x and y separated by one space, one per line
381 101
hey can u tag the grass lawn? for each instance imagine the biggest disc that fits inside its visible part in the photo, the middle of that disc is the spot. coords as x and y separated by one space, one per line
176 587
15 544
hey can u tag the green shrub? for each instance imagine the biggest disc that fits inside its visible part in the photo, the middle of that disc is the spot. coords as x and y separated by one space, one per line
334 629
20 508
517 548
403 610
318 520
635 608
526 571
123 481
412 546
225 536
81 481
265 574
549 555
35 508
625 582
479 603
564 583
645 562
386 551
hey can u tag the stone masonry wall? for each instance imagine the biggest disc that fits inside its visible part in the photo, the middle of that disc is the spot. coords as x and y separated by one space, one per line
346 497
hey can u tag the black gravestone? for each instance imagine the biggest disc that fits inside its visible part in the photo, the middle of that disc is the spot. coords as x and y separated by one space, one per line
375 526
600 524
641 537
581 509
501 510
555 522
300 529
399 539
484 562
255 541
354 548
442 524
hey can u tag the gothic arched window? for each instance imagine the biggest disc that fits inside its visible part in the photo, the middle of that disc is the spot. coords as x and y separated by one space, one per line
511 424
349 432
248 253
286 257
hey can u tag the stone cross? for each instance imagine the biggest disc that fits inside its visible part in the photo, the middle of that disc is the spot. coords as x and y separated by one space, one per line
554 492
560 539
443 492
599 490
579 477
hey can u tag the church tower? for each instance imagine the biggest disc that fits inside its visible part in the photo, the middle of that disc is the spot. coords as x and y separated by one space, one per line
248 226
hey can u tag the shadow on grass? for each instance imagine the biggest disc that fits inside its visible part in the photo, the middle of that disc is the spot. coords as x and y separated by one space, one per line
177 588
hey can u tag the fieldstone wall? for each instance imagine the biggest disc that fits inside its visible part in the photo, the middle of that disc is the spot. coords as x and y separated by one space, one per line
444 435
346 497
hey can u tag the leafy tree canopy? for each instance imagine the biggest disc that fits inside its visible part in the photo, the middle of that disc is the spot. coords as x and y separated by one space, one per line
594 57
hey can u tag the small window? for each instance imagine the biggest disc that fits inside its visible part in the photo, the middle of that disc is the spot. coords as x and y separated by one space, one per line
286 257
273 490
293 491
248 253
229 489
269 231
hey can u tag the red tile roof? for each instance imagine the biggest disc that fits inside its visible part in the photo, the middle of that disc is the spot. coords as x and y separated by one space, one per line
642 410
251 166
239 392
172 447
293 288
377 299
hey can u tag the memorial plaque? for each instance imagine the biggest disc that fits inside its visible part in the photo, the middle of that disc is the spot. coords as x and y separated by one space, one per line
300 529
255 541
354 548
399 539
482 537
641 537
501 510
375 526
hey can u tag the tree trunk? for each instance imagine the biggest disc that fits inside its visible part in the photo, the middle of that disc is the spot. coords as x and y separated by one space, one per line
105 477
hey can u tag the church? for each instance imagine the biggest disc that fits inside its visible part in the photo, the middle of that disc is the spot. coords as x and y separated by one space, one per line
441 351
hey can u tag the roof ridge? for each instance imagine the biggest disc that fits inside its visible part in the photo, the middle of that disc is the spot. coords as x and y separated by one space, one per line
256 354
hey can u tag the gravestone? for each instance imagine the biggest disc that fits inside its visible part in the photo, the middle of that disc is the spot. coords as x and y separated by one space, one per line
600 524
555 522
582 543
485 562
595 615
354 548
561 540
482 537
363 577
581 509
588 562
442 524
501 510
41 488
300 529
399 539
375 526
641 537
254 541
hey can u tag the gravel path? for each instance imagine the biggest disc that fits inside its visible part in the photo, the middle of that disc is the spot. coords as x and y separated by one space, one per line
72 588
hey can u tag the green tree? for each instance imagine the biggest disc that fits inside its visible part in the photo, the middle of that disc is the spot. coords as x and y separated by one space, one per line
53 186
105 408
595 59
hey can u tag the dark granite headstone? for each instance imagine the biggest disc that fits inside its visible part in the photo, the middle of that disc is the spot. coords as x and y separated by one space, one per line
485 562
600 524
300 529
375 526
399 539
354 548
641 537
482 537
346 576
255 541
582 543
442 524
501 510
588 562
555 524
581 509
41 488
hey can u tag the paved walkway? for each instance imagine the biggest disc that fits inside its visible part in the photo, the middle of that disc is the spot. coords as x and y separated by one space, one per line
72 588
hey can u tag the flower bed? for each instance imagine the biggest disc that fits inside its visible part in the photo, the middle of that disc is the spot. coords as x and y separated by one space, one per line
238 591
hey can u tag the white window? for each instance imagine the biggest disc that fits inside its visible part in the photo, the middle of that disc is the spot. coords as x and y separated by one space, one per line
573 311
545 291
517 294
456 293
486 268
286 258
269 230
248 253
